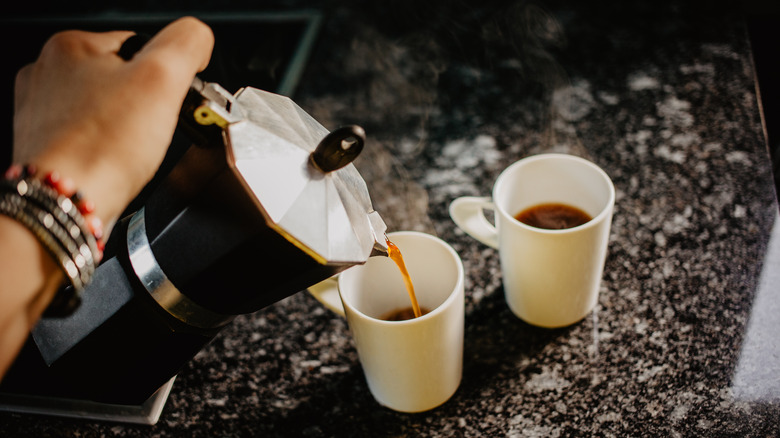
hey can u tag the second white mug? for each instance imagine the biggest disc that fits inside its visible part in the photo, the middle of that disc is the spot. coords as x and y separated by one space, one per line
551 277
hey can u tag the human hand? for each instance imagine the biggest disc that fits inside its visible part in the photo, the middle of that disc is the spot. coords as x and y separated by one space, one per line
104 122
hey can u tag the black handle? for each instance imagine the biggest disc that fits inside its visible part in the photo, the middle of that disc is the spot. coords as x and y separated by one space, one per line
132 45
339 148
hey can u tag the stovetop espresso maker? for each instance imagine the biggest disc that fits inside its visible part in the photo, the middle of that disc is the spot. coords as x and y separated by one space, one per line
264 204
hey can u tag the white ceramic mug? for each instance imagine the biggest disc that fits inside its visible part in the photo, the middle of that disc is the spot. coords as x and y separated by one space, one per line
413 365
551 277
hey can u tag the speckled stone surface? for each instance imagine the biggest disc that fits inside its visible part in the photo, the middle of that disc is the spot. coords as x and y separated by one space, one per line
683 341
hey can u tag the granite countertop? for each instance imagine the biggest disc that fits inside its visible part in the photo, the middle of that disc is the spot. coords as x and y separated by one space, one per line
683 341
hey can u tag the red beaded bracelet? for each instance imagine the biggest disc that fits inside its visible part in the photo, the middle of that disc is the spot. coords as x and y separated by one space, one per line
65 187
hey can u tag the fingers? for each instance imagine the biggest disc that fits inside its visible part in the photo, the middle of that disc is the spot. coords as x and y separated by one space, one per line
65 48
188 40
77 44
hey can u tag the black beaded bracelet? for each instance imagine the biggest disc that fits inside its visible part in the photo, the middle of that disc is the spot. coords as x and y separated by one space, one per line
55 220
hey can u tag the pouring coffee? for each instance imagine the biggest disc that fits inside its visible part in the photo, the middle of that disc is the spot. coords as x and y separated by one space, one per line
265 192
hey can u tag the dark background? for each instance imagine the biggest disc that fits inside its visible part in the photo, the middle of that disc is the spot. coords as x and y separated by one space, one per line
254 53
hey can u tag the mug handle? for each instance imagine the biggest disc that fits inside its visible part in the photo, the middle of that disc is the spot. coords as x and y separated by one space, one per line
468 213
327 293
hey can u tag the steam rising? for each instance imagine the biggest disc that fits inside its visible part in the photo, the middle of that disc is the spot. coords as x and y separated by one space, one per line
428 83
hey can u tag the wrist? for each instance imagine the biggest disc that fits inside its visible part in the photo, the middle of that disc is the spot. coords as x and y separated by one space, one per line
61 220
103 184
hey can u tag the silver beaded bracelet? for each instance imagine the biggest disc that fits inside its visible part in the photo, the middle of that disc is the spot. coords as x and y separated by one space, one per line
61 229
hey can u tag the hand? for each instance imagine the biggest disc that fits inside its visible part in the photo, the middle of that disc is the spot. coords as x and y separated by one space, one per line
106 123
103 122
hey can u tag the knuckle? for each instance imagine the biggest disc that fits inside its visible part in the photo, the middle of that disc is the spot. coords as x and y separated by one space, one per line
155 70
200 34
68 41
194 25
155 66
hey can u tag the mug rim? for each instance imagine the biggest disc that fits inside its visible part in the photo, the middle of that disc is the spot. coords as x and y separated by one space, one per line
459 284
605 211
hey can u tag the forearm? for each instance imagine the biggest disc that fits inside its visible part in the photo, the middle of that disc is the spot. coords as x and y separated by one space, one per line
26 293
31 275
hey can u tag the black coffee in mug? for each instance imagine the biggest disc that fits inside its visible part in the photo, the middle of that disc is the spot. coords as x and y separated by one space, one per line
553 216
403 314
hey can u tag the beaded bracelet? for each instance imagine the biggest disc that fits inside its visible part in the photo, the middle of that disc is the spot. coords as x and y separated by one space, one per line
62 221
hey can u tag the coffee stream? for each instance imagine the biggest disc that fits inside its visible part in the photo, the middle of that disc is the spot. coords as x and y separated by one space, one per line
399 315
